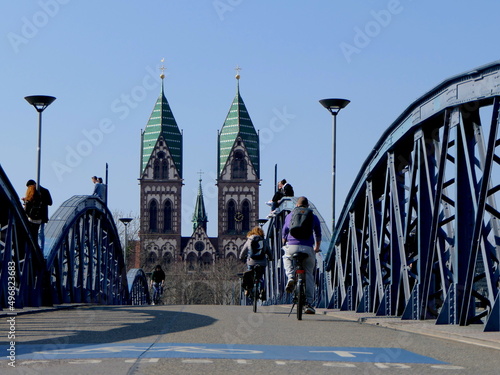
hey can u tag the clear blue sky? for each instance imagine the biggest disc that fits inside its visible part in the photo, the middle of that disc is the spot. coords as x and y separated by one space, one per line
101 59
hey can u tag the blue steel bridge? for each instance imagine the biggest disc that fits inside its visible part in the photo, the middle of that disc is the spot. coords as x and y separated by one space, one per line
418 236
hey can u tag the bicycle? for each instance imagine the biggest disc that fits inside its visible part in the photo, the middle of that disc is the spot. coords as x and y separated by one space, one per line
256 292
157 293
299 294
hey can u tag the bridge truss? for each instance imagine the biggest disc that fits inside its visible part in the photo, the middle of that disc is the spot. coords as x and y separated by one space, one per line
419 234
82 262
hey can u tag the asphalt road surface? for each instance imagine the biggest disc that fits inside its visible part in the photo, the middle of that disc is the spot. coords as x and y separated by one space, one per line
200 339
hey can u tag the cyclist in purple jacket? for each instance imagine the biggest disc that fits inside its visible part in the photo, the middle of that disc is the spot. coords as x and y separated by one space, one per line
309 246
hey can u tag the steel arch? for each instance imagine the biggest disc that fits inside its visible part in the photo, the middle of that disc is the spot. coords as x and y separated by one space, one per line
84 255
419 234
22 267
275 277
138 288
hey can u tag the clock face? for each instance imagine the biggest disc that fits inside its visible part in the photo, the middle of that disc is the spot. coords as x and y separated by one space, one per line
199 246
238 216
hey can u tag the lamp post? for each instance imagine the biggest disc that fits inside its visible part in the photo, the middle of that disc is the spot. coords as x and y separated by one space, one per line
334 106
126 221
40 102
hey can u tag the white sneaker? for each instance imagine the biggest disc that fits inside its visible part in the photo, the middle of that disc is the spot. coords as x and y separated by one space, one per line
290 285
309 310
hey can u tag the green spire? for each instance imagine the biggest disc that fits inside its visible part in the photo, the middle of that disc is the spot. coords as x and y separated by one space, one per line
200 217
162 124
238 124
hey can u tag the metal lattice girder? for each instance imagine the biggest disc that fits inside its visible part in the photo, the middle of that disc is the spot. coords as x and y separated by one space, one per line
275 277
138 287
84 255
22 267
419 234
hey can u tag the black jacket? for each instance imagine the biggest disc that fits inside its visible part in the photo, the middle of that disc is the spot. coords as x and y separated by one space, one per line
46 201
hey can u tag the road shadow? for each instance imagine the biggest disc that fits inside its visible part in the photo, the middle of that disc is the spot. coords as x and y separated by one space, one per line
104 325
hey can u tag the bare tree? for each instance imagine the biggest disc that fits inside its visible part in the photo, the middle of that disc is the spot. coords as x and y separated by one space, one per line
132 233
216 284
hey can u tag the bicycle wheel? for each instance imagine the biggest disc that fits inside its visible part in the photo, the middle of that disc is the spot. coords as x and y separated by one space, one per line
255 294
300 289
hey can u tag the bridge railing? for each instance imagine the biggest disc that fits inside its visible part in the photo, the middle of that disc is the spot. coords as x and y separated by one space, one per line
22 266
83 259
138 287
419 234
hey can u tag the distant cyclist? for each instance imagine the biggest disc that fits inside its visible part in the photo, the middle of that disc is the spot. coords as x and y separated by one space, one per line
294 245
157 282
256 252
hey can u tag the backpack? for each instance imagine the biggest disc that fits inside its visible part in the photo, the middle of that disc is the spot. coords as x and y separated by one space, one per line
301 224
35 211
257 249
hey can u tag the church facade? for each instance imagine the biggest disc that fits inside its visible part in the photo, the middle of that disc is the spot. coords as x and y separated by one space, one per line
161 183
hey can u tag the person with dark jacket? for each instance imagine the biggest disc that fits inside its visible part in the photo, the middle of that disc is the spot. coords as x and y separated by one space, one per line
157 283
44 203
255 251
284 190
32 207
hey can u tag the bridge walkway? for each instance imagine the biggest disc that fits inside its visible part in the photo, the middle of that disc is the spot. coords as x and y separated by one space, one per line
196 339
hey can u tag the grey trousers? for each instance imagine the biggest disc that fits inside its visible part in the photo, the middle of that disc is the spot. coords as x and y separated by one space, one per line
309 266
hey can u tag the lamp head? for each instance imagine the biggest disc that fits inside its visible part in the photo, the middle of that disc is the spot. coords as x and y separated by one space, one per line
40 102
126 220
334 105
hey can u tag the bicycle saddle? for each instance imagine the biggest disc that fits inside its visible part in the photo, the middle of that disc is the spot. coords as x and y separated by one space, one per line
300 256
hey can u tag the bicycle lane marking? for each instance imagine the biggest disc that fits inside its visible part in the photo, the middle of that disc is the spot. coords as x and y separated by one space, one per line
219 351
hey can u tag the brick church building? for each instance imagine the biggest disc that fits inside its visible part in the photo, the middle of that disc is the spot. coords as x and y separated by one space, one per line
161 183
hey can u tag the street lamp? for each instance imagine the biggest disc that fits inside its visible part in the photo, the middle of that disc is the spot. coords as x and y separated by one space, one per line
126 221
40 102
334 106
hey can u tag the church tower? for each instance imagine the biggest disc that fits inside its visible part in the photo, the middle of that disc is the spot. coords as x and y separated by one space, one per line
238 178
200 217
161 184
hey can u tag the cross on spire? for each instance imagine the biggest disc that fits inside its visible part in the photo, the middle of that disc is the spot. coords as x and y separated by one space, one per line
200 173
237 71
162 68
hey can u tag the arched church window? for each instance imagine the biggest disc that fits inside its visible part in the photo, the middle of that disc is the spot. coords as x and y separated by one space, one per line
191 261
167 216
245 210
156 169
167 258
239 167
153 217
231 212
206 260
152 259
164 169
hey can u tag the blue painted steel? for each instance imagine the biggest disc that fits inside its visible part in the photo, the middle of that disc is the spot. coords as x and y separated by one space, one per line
220 351
22 267
83 260
138 288
84 254
418 234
